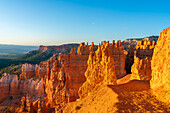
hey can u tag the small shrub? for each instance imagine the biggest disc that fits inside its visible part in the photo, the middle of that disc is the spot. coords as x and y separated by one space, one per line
77 107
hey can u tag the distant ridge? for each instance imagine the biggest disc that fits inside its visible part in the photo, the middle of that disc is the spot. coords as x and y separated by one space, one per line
45 52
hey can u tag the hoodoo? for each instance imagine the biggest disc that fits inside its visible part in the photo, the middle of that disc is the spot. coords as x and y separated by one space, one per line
102 67
141 69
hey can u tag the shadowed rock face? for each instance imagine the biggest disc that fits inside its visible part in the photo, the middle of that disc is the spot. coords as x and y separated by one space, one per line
129 59
11 86
160 65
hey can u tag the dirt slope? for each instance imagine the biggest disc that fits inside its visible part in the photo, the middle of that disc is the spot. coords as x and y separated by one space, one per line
134 96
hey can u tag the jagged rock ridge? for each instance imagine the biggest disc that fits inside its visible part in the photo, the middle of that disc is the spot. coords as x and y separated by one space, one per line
102 67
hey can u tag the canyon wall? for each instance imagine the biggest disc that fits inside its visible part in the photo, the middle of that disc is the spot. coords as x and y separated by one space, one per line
29 70
4 88
10 85
160 64
66 74
139 47
119 57
62 75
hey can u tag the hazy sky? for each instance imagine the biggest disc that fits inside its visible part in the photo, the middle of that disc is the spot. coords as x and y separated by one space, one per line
54 22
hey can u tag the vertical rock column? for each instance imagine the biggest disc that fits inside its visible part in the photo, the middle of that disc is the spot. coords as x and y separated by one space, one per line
100 70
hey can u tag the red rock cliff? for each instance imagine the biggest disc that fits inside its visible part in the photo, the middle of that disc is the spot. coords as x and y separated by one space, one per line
11 86
66 74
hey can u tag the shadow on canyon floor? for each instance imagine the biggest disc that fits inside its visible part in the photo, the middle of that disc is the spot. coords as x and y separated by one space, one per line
136 96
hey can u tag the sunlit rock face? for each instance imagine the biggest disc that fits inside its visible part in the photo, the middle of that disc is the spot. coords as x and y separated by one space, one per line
101 68
145 49
141 69
119 57
66 74
160 66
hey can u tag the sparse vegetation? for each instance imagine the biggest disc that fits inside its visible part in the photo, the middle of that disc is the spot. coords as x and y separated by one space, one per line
13 69
77 107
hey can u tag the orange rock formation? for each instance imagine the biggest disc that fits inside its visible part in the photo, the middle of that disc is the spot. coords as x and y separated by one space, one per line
4 89
145 49
101 69
119 58
160 65
29 70
66 74
11 86
141 69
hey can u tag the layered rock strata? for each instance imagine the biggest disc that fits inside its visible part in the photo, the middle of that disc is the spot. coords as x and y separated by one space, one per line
29 70
160 65
66 74
119 57
4 89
